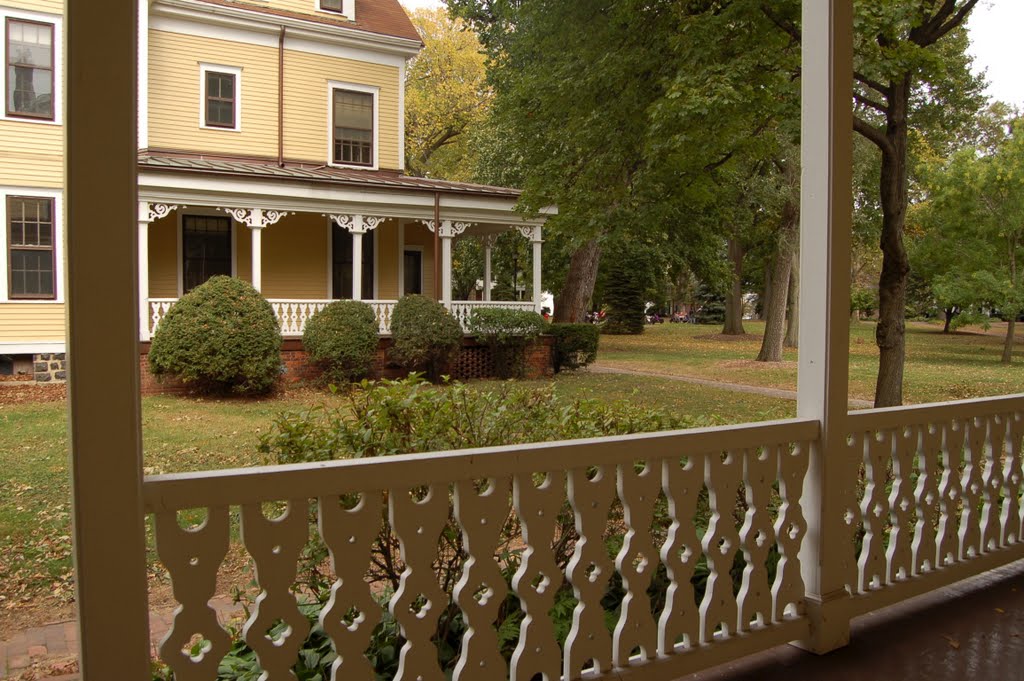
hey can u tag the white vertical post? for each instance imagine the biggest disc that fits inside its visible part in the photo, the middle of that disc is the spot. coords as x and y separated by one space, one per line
256 229
537 293
357 260
823 380
488 244
446 265
144 220
143 77
105 438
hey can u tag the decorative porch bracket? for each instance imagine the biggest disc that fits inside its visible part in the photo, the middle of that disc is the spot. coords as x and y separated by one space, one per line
449 229
533 233
357 226
256 219
148 212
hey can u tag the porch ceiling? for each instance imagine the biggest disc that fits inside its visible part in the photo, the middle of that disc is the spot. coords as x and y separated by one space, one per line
295 187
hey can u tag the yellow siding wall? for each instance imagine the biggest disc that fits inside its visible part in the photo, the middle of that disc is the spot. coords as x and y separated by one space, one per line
33 154
387 261
50 6
418 235
30 322
295 258
306 104
174 94
163 257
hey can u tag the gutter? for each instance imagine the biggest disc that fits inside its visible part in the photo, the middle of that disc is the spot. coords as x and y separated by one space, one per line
280 99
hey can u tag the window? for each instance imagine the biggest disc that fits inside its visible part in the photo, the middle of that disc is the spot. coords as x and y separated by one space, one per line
30 245
353 127
30 66
205 249
220 100
332 5
345 7
412 274
341 260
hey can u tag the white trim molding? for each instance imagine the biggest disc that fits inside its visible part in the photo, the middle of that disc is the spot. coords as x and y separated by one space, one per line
58 243
58 62
333 85
235 71
31 348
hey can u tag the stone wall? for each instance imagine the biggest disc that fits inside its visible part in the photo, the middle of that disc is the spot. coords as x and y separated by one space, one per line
48 367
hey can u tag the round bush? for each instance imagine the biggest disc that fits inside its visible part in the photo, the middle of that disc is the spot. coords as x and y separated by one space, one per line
220 337
575 345
342 339
507 333
426 337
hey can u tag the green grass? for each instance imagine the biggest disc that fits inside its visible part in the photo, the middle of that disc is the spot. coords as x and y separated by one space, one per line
939 366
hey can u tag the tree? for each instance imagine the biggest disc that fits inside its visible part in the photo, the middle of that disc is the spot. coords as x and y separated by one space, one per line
446 97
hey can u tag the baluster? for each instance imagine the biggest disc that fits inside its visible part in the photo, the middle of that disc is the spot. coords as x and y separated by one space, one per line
680 552
722 476
1012 476
636 562
970 517
418 603
192 557
275 546
351 613
927 499
481 590
992 480
875 510
790 528
899 556
538 578
850 464
588 572
754 600
950 492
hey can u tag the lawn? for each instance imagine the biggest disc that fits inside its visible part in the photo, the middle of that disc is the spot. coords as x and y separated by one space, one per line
939 366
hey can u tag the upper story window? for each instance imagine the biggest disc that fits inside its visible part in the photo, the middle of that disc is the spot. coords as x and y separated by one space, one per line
30 69
220 97
355 131
31 261
346 7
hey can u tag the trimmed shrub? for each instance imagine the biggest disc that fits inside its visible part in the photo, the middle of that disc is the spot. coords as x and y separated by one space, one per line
342 340
426 336
221 337
575 345
507 333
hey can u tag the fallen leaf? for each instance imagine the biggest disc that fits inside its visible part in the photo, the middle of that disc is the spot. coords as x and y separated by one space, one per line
953 643
1000 611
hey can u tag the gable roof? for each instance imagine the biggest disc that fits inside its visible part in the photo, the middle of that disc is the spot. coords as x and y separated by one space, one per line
383 17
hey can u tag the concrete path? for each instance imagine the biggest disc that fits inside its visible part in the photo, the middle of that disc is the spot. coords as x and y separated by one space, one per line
735 387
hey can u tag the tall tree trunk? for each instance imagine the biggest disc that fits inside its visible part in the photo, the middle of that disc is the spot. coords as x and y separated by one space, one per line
890 335
571 303
734 300
950 313
1008 343
782 264
793 321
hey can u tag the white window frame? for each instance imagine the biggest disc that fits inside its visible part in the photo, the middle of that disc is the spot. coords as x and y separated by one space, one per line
57 197
58 64
354 87
236 71
348 9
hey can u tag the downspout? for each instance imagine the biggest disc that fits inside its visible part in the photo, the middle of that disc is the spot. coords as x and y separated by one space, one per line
280 99
437 246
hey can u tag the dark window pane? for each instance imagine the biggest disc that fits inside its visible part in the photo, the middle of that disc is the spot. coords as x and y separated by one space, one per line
29 69
32 273
413 273
353 127
333 5
341 258
206 249
30 242
220 99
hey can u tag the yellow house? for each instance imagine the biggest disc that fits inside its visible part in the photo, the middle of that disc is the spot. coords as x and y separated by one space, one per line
271 148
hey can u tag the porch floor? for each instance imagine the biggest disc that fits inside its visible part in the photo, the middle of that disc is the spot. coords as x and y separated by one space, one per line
972 631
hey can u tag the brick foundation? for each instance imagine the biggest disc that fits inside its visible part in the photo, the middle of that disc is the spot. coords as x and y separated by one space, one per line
49 368
473 362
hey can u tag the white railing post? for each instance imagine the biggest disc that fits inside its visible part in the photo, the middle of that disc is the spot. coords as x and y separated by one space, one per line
488 246
257 257
103 341
144 220
538 294
823 381
447 231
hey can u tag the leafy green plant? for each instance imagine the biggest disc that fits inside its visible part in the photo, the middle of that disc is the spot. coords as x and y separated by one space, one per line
221 337
426 336
342 339
507 333
575 345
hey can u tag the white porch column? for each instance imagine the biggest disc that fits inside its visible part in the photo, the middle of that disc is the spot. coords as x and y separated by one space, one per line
357 226
148 212
448 231
533 234
256 219
104 434
488 245
827 560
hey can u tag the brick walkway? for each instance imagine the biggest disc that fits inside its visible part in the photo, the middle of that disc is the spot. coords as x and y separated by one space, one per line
55 645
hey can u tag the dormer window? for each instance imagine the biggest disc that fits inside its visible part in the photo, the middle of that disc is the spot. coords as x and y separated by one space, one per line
220 97
354 130
346 7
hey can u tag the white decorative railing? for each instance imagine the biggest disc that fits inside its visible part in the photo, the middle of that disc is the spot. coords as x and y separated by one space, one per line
938 499
691 501
293 314
463 309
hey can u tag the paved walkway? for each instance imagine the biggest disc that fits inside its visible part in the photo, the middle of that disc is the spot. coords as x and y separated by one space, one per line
735 387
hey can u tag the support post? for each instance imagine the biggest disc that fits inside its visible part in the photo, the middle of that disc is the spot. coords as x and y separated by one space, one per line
104 431
256 219
488 245
447 230
357 262
823 380
538 294
144 220
257 258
